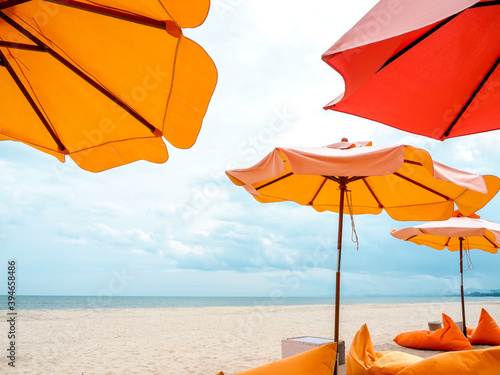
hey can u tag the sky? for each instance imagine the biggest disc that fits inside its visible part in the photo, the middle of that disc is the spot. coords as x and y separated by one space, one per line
183 229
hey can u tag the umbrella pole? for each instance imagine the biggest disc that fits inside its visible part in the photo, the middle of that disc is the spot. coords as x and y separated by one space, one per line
339 248
462 285
337 278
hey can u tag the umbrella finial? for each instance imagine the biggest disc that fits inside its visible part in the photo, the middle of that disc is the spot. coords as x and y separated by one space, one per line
344 144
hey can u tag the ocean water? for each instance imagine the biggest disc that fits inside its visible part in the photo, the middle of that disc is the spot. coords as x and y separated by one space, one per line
91 302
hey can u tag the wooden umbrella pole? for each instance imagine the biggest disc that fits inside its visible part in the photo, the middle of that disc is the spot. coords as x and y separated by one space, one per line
462 286
339 250
342 181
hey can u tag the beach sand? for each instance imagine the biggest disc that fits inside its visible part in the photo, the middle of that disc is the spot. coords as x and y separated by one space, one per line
201 340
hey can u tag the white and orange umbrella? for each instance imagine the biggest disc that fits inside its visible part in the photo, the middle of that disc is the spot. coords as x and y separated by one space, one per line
458 233
402 180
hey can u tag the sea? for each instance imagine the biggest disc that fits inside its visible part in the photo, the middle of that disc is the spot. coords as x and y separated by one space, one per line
23 302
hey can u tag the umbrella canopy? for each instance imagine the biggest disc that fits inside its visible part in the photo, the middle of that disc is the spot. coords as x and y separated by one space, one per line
103 82
426 67
402 180
458 233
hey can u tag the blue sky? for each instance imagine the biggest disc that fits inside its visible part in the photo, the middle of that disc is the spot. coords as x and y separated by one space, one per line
181 228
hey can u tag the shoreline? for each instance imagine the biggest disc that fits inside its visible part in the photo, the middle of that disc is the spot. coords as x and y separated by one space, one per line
168 340
93 302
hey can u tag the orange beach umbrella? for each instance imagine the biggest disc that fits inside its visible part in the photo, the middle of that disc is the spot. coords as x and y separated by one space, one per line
103 81
423 66
458 233
402 180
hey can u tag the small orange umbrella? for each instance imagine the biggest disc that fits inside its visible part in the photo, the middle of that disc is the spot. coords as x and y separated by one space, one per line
458 233
103 81
423 66
402 180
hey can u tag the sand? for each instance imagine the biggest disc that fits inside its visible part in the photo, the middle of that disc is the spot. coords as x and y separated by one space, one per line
200 340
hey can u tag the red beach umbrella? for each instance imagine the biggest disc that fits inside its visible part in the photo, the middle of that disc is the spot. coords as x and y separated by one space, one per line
422 66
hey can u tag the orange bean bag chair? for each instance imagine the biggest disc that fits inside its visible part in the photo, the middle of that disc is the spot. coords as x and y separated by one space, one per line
470 362
486 332
362 359
450 337
317 361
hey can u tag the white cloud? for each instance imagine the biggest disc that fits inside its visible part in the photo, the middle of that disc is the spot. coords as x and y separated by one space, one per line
189 225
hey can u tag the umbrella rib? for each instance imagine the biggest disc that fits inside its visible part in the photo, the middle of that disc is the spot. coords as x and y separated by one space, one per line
317 192
487 239
412 162
337 179
11 3
23 46
80 73
273 181
417 41
352 179
433 30
110 12
447 242
422 186
486 4
333 178
472 97
32 103
373 193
